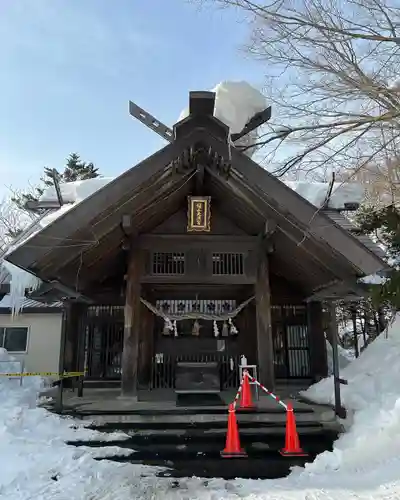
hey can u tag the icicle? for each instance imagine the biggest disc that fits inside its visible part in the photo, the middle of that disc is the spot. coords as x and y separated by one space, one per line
175 328
20 282
234 330
216 331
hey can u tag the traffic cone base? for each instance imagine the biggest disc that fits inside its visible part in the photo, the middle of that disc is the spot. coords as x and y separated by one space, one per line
292 443
239 454
246 401
298 453
232 446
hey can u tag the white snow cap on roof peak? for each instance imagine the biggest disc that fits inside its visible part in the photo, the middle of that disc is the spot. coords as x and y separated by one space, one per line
235 104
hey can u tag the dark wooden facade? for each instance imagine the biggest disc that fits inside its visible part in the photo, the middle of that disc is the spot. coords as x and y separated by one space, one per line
131 241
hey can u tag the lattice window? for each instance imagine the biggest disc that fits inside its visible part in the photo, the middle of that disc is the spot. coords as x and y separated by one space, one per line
168 263
227 263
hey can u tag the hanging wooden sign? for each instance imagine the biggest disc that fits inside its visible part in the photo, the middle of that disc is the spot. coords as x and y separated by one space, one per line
199 214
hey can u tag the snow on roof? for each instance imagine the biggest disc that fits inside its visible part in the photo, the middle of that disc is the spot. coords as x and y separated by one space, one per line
316 193
74 193
7 302
235 104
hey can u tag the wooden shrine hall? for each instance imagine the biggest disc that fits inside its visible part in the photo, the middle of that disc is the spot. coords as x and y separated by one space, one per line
190 260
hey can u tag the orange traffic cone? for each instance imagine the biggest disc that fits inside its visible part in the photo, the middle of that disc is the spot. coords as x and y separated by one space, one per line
292 442
232 446
246 402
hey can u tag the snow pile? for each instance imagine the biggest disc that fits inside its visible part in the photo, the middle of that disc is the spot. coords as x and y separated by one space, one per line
35 462
235 104
316 193
373 441
345 357
8 364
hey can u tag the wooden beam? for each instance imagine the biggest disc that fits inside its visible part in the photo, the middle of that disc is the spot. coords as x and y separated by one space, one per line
75 224
316 339
288 201
265 353
131 326
199 182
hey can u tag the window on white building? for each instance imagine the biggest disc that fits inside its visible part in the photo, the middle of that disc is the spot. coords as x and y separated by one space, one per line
14 338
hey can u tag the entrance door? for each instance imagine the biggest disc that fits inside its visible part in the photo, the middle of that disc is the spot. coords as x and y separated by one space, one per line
104 333
291 346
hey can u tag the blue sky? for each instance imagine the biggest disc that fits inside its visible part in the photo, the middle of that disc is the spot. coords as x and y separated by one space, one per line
69 68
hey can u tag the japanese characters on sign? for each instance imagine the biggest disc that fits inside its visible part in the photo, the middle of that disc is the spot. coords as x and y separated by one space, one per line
199 213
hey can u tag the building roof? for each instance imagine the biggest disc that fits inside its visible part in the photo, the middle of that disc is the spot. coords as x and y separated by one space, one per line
28 305
85 242
346 224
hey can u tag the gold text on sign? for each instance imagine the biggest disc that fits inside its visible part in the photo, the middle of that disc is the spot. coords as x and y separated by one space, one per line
199 214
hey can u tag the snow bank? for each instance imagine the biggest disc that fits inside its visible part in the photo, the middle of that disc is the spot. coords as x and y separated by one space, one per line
344 357
373 398
35 462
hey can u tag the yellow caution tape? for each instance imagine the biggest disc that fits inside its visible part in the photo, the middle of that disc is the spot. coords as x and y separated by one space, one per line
44 374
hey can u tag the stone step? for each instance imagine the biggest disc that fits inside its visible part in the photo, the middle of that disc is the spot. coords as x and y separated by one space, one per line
266 466
213 441
188 426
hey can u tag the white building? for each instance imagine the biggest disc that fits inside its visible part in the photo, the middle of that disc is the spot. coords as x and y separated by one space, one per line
33 336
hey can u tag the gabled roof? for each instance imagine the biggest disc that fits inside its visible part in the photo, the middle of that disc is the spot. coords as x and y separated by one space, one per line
309 243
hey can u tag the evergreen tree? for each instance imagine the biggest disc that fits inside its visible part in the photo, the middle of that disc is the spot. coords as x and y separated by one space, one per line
74 170
383 224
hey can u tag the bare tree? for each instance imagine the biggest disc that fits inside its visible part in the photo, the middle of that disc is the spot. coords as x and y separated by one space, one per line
333 77
12 221
381 181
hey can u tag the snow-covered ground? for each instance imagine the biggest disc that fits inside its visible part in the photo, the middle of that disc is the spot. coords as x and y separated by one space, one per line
36 464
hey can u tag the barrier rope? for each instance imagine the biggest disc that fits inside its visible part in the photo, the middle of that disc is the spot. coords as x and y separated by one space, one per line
238 393
269 393
43 374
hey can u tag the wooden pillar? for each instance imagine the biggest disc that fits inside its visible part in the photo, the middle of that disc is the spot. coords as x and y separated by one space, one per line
316 340
68 360
265 353
146 348
129 379
81 331
339 410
